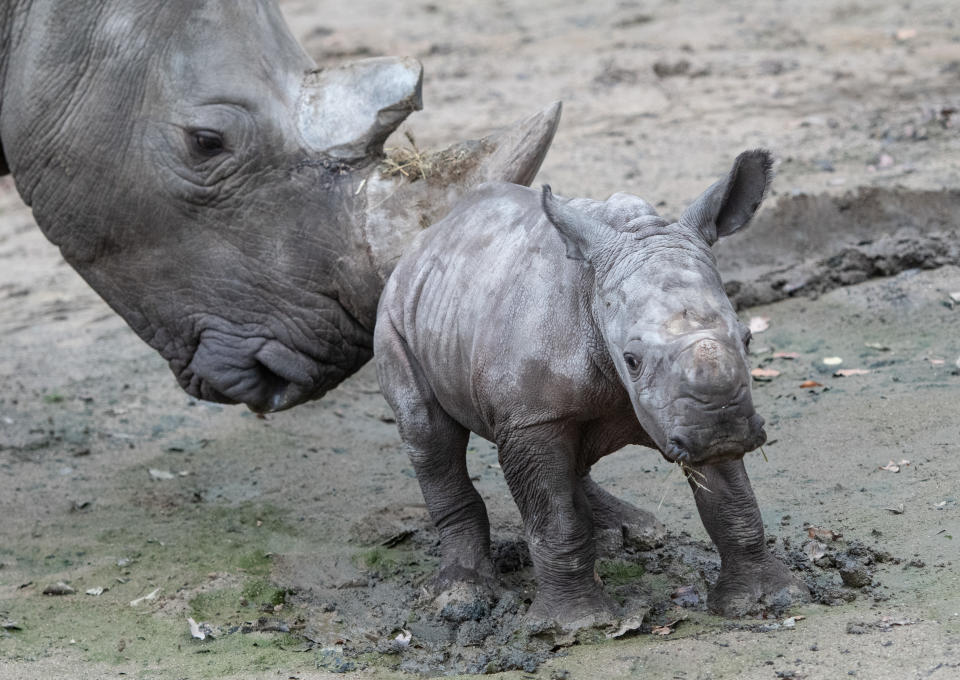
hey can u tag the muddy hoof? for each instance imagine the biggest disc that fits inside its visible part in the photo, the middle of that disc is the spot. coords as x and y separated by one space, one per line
463 594
765 587
569 615
618 524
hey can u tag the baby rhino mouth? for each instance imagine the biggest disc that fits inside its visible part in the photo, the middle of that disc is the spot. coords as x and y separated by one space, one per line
262 373
719 447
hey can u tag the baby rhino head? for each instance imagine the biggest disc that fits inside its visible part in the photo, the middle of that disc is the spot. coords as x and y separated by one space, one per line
670 330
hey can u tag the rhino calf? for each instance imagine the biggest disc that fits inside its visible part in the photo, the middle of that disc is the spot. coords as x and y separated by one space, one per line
563 331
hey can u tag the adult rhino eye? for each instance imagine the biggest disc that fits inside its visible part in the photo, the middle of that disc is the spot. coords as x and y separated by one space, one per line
633 363
207 142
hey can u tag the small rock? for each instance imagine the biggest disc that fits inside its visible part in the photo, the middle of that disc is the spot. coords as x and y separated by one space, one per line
855 574
855 628
59 588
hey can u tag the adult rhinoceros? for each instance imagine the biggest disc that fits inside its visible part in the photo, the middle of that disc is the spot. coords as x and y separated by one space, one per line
218 190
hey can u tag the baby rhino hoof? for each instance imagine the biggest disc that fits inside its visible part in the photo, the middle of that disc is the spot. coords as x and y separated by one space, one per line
769 587
463 595
463 602
568 616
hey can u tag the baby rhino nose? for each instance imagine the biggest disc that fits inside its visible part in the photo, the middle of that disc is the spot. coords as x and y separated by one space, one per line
714 368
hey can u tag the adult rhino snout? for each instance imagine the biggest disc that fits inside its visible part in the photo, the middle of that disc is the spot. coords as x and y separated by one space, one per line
262 373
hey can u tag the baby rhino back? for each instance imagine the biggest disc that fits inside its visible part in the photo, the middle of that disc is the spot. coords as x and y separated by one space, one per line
492 313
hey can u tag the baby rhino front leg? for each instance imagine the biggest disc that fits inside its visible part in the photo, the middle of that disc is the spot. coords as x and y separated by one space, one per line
539 465
751 579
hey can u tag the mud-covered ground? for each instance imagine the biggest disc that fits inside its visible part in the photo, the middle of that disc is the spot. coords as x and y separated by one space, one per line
300 540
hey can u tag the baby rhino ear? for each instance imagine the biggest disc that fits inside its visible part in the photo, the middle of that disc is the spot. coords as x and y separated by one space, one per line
582 234
728 205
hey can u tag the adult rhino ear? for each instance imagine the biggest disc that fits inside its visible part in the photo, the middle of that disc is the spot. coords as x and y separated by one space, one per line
728 205
582 234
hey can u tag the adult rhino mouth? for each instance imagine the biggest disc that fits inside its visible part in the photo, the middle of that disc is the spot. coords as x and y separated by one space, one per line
262 373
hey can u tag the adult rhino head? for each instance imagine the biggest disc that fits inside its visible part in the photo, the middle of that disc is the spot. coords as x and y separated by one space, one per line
219 191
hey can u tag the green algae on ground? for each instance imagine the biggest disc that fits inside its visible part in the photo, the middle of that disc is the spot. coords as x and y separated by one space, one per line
619 572
187 553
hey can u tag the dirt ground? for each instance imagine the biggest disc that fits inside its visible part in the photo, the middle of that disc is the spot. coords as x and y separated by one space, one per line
300 539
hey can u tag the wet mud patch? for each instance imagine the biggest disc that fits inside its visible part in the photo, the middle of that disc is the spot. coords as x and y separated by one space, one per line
370 603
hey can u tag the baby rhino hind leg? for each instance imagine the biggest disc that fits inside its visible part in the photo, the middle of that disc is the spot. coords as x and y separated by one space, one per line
465 585
618 524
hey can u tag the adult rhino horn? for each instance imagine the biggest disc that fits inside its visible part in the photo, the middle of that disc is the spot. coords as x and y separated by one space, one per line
400 204
347 112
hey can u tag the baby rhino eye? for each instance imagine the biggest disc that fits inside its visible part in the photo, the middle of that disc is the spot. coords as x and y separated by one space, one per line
633 363
207 142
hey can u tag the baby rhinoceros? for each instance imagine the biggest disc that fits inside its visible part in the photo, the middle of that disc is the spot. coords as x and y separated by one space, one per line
563 331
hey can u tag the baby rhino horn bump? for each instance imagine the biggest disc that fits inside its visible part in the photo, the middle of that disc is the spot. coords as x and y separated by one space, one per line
349 111
714 368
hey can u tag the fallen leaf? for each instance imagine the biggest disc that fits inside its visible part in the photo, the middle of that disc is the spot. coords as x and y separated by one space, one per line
758 324
815 550
96 592
810 383
764 374
898 510
146 598
667 628
195 630
955 296
628 625
832 361
403 638
823 534
890 467
847 372
786 355
888 622
904 462
161 474
879 346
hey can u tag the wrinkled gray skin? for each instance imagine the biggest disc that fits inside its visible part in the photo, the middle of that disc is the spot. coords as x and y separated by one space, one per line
563 331
217 190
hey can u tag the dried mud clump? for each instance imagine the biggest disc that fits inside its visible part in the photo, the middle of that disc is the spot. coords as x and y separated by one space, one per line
837 571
